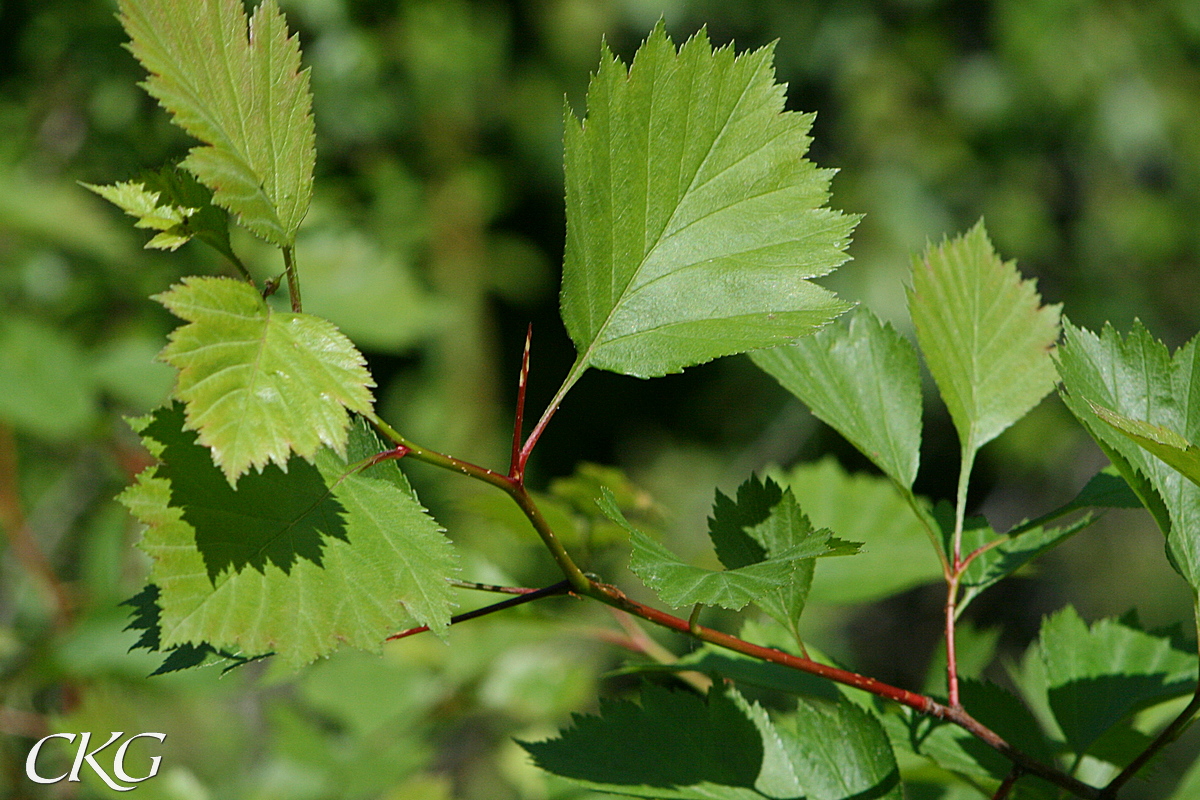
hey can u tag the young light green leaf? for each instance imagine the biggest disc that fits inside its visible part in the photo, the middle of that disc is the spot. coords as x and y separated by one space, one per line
1096 676
896 551
136 200
674 746
680 584
765 520
1168 445
840 752
240 92
1135 377
984 333
864 381
694 223
260 384
370 563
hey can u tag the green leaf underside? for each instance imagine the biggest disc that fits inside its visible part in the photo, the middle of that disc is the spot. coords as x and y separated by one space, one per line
240 92
985 336
146 614
896 552
1096 677
260 384
383 560
693 220
1176 451
863 380
765 520
674 746
1136 378
680 584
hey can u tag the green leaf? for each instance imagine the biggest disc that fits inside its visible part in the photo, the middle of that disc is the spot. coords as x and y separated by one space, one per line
952 748
365 561
984 334
840 752
136 200
1014 552
242 93
680 584
674 746
1175 450
146 618
766 521
260 384
864 381
693 220
1138 379
46 387
1097 676
896 551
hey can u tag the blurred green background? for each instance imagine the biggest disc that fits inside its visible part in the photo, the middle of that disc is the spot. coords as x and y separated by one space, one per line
1071 126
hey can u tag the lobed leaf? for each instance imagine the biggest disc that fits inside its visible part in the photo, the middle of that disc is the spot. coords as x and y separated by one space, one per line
680 584
136 200
863 380
362 561
765 520
674 746
1135 378
984 333
694 222
260 384
1097 676
896 551
240 92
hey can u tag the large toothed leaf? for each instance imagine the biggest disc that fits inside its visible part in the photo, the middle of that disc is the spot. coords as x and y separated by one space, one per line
840 752
297 577
984 333
765 520
674 746
693 219
864 381
242 93
1097 675
260 384
680 584
1135 378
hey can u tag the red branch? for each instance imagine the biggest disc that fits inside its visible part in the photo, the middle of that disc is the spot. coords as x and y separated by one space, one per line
516 468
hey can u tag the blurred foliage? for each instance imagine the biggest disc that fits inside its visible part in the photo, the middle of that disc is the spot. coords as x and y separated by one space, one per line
1074 127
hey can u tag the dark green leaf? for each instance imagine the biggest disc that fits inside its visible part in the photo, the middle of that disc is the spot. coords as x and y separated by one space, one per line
674 746
864 381
840 752
1097 676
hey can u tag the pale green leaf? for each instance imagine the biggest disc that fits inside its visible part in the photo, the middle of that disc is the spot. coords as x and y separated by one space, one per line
298 576
136 200
1168 445
242 93
1097 676
896 553
694 222
864 381
260 384
984 334
1135 377
46 387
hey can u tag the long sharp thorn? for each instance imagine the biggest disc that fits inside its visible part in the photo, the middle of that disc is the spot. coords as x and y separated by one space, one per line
516 469
562 587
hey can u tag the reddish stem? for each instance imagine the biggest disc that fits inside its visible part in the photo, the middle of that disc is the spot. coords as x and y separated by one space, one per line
1008 783
516 468
1168 735
951 650
562 587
